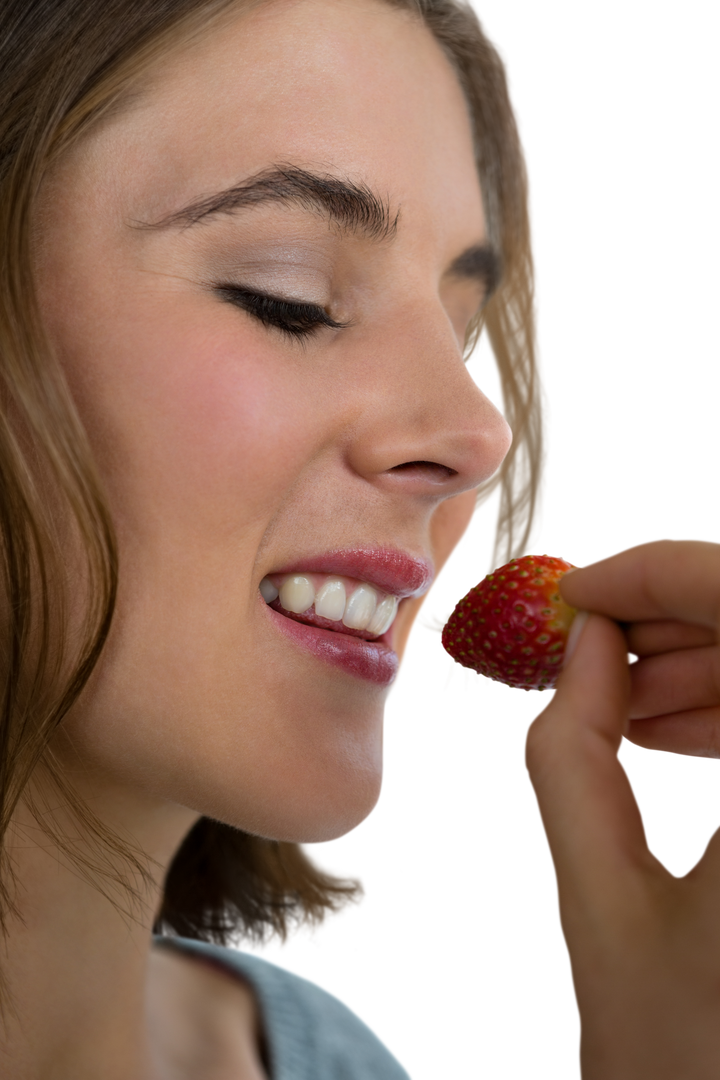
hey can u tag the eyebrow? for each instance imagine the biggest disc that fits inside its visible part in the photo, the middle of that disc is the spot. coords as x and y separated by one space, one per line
354 207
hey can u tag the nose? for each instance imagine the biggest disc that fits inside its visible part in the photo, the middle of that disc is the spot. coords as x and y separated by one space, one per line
426 428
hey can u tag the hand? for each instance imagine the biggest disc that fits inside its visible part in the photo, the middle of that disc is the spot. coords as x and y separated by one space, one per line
644 946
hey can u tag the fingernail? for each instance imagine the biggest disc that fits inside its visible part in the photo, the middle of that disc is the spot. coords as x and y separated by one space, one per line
578 625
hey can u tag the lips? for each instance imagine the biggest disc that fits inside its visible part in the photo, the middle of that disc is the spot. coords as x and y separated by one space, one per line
388 570
373 661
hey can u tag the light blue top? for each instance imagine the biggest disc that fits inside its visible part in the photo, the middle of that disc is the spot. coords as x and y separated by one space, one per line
310 1034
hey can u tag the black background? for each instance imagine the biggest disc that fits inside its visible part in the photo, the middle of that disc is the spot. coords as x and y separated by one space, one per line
456 950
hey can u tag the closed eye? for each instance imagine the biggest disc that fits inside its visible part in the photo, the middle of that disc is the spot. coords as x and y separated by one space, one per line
293 317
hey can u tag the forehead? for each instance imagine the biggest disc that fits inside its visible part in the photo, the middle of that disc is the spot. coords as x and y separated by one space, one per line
354 87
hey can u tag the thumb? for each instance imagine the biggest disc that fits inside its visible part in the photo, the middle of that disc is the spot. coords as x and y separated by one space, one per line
588 809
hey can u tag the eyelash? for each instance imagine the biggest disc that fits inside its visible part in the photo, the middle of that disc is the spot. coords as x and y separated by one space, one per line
292 317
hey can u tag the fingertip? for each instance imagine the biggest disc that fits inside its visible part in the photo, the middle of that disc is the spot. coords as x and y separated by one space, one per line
576 629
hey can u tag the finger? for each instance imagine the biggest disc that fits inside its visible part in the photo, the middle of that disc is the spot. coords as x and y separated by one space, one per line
665 635
669 579
589 812
695 732
675 682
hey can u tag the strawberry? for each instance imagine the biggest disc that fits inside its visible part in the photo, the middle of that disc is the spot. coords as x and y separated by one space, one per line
513 626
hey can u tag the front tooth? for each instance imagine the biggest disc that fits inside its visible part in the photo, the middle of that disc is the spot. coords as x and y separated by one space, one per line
297 594
384 615
330 600
360 608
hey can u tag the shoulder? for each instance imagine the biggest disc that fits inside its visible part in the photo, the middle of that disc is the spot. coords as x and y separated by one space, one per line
312 1030
200 1011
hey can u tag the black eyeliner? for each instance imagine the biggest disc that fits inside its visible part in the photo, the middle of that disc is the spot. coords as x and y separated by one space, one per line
294 317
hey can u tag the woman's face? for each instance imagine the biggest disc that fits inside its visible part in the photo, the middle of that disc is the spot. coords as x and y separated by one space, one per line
308 164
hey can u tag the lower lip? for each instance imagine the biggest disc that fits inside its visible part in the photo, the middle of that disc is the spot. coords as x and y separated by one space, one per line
373 661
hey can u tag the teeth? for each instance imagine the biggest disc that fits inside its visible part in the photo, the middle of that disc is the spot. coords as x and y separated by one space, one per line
297 594
359 611
268 591
384 615
360 608
330 600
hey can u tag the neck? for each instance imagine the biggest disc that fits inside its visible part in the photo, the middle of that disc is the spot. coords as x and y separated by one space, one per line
76 961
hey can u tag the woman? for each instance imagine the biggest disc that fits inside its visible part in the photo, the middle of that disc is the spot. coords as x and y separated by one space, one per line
258 241
255 241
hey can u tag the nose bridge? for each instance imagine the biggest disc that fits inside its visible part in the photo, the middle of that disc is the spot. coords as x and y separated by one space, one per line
437 363
425 407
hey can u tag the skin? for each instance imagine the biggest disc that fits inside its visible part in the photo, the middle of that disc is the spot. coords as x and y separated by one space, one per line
228 451
644 945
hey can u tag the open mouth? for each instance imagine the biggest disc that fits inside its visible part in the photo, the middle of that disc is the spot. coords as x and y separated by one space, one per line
331 602
310 619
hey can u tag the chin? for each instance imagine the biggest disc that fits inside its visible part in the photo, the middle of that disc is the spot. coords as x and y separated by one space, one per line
311 820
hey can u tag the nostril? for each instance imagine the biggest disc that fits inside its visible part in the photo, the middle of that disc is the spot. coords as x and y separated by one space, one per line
425 464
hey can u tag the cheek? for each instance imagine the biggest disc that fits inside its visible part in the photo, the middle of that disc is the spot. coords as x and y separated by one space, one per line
213 430
194 417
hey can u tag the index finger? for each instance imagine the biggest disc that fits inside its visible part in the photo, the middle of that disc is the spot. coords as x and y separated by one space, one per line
677 579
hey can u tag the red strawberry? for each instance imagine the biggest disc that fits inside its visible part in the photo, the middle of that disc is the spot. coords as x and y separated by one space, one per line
513 626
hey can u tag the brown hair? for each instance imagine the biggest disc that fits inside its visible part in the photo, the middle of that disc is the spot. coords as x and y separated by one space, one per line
64 64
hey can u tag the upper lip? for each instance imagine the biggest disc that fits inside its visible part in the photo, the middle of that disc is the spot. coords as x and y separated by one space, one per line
387 569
